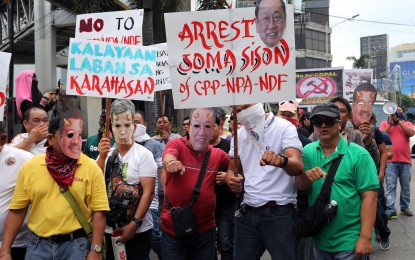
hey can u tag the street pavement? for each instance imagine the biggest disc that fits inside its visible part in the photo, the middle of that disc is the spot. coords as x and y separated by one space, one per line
402 238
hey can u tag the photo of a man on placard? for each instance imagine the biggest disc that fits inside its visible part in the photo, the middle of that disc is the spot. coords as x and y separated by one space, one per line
270 23
364 97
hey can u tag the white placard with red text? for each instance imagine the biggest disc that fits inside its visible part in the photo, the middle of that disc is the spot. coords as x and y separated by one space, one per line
123 27
104 69
4 72
217 58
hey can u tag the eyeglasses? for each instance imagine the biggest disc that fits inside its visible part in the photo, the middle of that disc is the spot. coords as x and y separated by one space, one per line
329 122
264 21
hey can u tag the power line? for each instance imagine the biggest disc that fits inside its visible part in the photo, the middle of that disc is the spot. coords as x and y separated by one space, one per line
359 20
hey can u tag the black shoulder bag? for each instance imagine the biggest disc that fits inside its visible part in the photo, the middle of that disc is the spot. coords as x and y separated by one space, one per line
124 197
312 220
182 217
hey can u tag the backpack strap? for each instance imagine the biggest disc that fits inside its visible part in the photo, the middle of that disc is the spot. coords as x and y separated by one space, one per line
112 165
196 190
326 189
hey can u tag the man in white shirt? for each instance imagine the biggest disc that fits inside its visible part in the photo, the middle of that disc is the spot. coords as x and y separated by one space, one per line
35 121
270 158
11 159
137 166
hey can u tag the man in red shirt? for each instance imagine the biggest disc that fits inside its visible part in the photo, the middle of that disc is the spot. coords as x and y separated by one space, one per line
182 161
400 164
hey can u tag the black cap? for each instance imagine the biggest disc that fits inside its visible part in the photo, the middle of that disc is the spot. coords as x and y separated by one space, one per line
326 109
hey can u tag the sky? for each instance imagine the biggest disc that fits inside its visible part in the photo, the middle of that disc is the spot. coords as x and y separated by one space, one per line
345 37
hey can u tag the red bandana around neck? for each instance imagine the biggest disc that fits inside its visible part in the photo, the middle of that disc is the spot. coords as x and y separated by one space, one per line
61 168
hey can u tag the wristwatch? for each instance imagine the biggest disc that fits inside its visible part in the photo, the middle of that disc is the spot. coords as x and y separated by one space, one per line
96 248
138 221
285 160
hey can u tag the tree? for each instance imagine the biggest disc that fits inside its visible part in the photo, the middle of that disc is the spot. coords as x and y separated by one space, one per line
94 6
359 62
212 4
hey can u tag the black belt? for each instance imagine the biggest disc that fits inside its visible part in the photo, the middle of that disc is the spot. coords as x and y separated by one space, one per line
271 204
59 239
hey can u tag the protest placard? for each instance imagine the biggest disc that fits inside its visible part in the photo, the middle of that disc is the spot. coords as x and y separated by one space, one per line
316 86
4 72
352 78
220 58
104 69
123 27
162 71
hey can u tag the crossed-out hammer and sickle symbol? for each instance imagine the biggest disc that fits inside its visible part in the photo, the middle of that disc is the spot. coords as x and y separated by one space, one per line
317 89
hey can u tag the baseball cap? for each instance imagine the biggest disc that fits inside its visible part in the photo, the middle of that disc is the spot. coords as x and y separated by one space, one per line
326 109
288 106
53 126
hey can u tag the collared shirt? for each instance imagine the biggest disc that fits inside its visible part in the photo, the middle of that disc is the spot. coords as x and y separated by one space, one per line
11 160
267 183
51 213
162 141
356 174
179 187
37 148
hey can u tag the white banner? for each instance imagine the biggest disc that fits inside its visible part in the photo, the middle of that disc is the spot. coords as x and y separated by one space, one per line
104 69
225 57
163 81
123 27
4 72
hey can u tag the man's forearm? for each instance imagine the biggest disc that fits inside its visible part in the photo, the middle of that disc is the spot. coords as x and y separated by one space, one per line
98 227
302 182
409 131
144 204
13 223
368 213
168 158
26 144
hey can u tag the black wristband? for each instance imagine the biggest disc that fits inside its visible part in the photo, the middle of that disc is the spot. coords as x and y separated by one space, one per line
285 160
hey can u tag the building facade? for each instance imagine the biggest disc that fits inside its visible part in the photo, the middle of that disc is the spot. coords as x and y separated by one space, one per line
377 47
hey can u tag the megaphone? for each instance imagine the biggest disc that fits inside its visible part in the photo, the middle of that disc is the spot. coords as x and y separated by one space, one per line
390 108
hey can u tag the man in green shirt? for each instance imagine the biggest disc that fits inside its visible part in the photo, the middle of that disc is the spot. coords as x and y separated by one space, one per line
349 234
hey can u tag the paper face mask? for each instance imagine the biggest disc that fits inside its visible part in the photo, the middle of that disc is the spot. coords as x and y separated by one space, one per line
71 137
123 128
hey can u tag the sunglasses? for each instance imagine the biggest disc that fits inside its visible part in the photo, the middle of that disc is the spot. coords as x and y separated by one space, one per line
329 122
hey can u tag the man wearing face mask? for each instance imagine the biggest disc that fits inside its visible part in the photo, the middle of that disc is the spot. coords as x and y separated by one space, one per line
270 158
399 166
182 161
288 111
137 166
54 227
156 148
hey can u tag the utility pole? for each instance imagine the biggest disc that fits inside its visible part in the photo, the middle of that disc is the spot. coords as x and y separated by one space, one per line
10 104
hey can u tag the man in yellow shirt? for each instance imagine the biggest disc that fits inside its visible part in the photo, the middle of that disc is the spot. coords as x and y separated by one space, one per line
56 232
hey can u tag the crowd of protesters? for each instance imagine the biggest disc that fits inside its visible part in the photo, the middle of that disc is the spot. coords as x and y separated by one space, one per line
243 200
